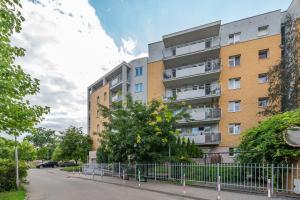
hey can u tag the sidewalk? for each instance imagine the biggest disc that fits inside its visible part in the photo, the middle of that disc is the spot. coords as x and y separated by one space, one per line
200 193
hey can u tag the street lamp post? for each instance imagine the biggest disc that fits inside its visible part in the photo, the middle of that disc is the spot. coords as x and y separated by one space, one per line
17 163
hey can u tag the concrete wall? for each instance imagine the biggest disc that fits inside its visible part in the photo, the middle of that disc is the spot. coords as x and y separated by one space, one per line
141 96
294 9
155 51
248 27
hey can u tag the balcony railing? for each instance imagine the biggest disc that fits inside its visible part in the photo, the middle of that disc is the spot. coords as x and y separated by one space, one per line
192 94
198 114
191 47
190 70
203 138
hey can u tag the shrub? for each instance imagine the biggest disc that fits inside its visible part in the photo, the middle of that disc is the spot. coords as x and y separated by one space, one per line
8 174
265 142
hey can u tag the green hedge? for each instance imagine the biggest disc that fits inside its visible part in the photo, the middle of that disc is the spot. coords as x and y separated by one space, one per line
8 174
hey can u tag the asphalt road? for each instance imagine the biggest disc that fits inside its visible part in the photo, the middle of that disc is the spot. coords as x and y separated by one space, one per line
53 184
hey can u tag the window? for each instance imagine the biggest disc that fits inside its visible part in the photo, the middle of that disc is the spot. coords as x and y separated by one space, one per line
263 30
208 44
234 38
138 71
263 78
234 106
98 113
104 96
195 87
98 99
234 83
98 128
234 129
139 87
263 101
263 54
174 52
234 60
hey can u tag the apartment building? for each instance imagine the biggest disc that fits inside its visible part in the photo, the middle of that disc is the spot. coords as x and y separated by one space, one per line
114 86
218 69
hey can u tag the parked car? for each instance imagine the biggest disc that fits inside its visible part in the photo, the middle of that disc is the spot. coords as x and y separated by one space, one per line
67 164
47 164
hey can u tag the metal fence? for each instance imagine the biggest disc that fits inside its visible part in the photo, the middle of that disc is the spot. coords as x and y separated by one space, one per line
250 177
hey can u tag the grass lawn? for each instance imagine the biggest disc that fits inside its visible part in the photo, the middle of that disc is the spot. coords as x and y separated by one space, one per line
70 169
13 195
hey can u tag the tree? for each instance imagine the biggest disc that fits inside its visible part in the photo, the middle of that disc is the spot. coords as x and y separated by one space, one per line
57 154
27 152
45 140
140 132
6 148
75 144
284 77
265 143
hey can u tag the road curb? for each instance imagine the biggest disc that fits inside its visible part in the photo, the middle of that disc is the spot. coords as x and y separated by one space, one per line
141 188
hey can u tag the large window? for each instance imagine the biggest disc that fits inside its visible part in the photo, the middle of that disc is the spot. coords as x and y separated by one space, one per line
263 78
234 128
138 71
263 30
139 87
234 38
234 83
234 106
234 60
263 54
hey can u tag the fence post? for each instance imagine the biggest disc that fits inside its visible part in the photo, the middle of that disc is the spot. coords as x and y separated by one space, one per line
184 184
139 176
219 188
135 171
113 168
155 171
123 177
269 189
272 179
181 170
218 170
93 172
119 170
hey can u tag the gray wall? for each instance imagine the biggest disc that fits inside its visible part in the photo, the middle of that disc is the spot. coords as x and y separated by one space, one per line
155 51
141 96
248 27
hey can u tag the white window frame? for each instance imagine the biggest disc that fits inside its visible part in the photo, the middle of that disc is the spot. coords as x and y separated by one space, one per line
263 99
263 30
236 128
263 78
232 61
236 38
263 50
234 83
234 106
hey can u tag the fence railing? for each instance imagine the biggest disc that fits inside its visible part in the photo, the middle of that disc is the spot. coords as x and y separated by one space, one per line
250 177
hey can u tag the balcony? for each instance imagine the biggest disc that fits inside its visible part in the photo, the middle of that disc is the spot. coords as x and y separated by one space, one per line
202 116
191 73
116 83
194 96
193 52
203 138
116 98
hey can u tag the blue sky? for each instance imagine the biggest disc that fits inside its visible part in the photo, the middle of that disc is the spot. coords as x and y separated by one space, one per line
145 21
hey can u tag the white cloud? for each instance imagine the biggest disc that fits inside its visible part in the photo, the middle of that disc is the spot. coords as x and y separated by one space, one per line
67 49
129 45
